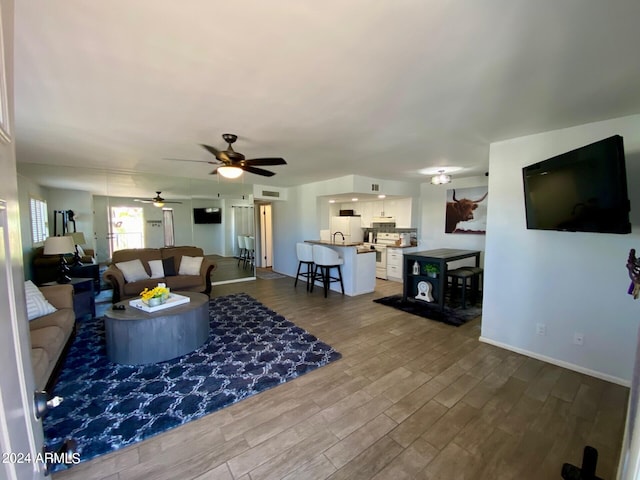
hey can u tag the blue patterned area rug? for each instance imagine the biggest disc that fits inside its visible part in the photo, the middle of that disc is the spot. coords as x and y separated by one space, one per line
108 406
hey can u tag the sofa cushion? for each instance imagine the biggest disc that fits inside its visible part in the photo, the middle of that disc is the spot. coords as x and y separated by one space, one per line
41 363
50 339
169 266
157 269
133 270
37 305
134 289
64 318
190 265
182 282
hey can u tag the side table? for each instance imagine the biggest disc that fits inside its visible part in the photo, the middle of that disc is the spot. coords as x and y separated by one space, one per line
87 270
84 301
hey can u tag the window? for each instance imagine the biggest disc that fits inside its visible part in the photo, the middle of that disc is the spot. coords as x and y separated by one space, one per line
167 217
39 220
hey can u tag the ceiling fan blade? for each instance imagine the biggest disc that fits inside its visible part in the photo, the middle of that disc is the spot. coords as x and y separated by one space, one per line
257 171
168 201
190 160
265 161
219 154
142 201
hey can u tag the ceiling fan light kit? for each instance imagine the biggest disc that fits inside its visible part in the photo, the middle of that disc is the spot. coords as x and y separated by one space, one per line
229 172
231 164
441 178
157 201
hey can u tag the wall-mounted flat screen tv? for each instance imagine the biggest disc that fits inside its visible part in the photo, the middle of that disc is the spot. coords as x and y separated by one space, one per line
207 215
584 190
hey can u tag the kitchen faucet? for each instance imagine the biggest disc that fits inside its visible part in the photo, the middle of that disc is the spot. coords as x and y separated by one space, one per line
334 236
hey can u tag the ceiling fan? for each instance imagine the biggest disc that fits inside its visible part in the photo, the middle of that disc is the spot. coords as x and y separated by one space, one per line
231 164
157 201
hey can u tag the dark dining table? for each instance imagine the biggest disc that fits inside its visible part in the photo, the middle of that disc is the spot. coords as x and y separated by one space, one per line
440 257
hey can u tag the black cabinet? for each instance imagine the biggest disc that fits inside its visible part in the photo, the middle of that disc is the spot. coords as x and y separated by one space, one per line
84 301
412 285
87 270
438 258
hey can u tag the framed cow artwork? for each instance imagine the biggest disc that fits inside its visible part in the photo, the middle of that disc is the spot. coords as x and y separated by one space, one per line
466 210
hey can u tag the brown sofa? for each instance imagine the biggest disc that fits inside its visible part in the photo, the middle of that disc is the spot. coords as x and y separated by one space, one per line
52 334
123 290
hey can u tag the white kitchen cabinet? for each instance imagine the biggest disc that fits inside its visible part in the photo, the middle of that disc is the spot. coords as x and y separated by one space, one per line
394 264
400 209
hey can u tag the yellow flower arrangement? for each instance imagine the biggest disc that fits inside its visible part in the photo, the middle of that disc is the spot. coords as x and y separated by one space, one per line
156 292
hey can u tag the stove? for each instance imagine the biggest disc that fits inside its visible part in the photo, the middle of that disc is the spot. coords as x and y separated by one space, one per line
383 241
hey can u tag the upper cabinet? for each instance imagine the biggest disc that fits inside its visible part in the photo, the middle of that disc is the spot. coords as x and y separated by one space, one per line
398 208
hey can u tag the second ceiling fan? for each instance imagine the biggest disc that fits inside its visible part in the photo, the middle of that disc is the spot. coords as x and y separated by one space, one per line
231 164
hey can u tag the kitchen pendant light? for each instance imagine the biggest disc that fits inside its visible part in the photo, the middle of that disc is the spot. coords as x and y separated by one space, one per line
229 172
441 178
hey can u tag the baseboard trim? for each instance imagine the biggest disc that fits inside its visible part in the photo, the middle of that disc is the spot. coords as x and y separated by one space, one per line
559 363
235 280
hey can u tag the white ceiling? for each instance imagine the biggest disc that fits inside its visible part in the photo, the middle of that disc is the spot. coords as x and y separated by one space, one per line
382 89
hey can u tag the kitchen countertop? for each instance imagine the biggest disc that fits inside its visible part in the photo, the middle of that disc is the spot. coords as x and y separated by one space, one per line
335 244
360 248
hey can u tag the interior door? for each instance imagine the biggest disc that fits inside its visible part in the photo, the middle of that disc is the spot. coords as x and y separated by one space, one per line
21 437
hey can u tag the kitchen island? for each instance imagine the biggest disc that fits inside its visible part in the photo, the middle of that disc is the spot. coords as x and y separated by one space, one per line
358 269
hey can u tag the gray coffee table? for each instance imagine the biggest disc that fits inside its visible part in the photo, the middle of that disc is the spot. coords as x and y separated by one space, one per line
135 337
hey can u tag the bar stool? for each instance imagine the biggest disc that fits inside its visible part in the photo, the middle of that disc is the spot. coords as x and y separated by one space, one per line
249 246
241 249
465 277
304 251
476 280
325 258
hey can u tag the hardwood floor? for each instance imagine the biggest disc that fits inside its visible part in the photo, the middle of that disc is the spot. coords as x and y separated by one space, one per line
411 398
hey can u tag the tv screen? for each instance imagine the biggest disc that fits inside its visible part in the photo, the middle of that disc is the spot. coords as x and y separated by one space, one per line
584 190
207 215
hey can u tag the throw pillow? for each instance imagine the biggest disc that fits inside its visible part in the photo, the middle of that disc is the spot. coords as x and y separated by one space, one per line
80 251
37 305
190 265
133 270
169 267
157 270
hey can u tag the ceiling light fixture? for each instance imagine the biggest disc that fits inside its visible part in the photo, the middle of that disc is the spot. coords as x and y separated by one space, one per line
354 199
441 178
229 172
158 204
382 195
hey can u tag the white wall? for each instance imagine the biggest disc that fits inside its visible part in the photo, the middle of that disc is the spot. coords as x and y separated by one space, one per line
26 190
571 282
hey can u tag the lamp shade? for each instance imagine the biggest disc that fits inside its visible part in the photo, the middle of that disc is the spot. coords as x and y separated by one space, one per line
229 172
78 238
58 245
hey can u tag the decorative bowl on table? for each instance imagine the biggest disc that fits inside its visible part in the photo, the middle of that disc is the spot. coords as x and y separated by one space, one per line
154 297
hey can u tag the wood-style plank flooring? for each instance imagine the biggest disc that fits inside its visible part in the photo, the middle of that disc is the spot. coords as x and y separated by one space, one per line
410 399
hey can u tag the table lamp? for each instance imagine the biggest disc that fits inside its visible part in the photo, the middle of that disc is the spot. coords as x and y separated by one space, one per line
60 246
78 239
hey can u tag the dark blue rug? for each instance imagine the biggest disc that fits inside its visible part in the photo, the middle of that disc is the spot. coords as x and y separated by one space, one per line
108 406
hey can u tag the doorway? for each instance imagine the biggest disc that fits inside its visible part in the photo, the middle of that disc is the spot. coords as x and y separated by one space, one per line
126 228
266 237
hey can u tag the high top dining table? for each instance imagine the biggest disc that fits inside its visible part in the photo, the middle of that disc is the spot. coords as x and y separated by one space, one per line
439 257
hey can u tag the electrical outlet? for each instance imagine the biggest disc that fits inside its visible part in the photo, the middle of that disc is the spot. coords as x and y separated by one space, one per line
541 329
578 339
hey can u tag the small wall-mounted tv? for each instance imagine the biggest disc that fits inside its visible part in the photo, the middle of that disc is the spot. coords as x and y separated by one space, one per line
207 215
584 190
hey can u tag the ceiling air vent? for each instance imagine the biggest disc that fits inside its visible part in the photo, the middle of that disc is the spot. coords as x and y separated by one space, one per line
375 187
267 193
